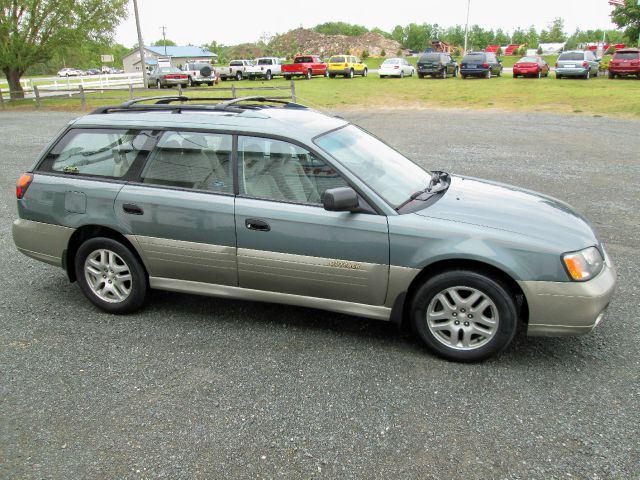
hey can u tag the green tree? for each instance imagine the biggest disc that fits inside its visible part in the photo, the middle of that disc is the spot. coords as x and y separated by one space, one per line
533 40
555 32
341 28
628 17
519 36
501 38
162 42
32 31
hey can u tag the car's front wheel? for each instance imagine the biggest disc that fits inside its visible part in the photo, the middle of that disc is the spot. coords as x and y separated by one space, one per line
464 315
110 275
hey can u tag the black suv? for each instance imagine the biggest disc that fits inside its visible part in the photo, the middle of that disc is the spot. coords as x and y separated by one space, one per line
437 64
480 64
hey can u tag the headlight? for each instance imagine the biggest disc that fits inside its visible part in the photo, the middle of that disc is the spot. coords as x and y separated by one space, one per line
584 264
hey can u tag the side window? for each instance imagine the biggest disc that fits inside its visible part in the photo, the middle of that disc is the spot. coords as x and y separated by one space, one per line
201 161
100 152
277 170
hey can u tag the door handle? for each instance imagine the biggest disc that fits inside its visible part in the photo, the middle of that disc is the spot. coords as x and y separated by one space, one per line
132 209
259 225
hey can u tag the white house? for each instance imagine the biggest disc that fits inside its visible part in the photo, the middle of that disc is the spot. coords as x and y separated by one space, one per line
179 55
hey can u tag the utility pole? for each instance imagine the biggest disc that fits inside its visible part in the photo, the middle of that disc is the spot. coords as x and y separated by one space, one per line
466 27
143 63
164 38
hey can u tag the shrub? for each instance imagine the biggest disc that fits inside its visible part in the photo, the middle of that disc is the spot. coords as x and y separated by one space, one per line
539 50
365 53
604 65
383 53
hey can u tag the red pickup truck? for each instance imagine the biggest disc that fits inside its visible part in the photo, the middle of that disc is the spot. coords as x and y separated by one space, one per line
305 66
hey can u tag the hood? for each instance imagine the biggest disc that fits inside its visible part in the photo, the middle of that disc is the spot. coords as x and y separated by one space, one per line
508 208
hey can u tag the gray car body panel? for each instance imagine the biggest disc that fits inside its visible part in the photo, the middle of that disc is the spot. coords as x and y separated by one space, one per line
351 262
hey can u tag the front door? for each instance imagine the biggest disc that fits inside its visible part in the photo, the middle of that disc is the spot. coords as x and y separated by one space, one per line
288 243
181 212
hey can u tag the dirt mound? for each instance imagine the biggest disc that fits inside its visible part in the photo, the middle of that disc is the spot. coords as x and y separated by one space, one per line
302 40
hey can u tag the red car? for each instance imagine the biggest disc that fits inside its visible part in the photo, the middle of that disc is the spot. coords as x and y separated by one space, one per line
625 62
305 66
533 66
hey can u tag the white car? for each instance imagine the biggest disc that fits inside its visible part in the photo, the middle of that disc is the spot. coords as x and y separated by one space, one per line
396 67
69 72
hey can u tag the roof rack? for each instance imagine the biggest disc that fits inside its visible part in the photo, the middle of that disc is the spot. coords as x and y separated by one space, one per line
225 104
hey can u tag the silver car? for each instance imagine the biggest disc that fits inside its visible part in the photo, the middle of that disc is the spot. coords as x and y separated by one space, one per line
271 201
577 63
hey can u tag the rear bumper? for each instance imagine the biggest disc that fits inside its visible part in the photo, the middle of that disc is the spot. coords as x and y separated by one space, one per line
340 71
624 71
568 308
175 81
41 241
571 72
525 71
430 70
474 71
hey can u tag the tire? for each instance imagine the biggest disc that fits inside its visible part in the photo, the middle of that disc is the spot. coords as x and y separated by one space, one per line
420 75
488 74
325 74
455 73
587 75
539 74
443 300
287 77
499 73
158 84
105 257
365 72
210 84
463 76
350 74
558 77
238 75
444 74
515 75
268 76
383 76
309 74
613 75
224 79
332 75
189 82
401 74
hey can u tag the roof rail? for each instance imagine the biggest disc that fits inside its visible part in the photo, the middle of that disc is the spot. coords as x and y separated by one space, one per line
225 104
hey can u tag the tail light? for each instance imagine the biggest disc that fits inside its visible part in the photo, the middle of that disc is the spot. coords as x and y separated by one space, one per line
485 65
396 67
556 64
346 64
585 64
22 184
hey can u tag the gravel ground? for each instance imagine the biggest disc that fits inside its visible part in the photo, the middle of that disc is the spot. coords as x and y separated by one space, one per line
197 387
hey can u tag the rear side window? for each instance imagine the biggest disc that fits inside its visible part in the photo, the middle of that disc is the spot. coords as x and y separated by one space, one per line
201 161
100 152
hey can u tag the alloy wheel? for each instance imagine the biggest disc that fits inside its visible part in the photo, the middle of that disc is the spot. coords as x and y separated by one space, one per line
108 276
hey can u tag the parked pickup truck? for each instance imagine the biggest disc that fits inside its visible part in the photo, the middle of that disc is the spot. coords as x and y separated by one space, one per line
236 69
305 66
265 67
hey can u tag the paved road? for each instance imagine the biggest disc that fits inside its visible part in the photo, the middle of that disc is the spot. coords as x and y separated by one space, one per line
196 387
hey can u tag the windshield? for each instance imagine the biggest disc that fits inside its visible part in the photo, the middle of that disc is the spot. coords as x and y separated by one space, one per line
528 60
169 70
337 60
627 56
394 177
430 57
572 56
473 57
391 61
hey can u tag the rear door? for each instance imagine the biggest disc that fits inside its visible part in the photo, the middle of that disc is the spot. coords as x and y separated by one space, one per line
288 243
181 210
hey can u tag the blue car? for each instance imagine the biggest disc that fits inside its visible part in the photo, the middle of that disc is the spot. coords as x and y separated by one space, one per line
270 201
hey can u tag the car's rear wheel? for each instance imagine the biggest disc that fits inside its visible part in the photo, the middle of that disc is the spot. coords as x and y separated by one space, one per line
268 76
332 75
539 74
309 74
587 75
463 76
110 275
488 74
613 75
558 76
365 72
464 315
238 75
420 75
158 84
350 74
401 74
190 82
383 76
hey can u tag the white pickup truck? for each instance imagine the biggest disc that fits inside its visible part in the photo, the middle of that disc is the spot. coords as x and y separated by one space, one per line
265 67
236 69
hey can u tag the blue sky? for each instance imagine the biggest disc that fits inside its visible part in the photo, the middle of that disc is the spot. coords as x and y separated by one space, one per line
201 21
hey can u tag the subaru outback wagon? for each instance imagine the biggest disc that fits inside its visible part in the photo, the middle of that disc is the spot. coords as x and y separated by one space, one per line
270 201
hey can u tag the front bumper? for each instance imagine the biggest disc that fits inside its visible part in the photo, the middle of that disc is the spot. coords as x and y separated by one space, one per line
569 308
43 241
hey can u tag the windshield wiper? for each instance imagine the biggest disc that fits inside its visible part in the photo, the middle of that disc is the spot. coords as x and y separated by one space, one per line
439 181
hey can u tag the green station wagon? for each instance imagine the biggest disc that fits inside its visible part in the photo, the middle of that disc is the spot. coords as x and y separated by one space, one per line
266 200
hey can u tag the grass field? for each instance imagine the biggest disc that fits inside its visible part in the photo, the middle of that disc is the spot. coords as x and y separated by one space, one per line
598 96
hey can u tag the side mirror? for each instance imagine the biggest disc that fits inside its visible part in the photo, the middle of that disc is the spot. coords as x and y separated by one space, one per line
341 199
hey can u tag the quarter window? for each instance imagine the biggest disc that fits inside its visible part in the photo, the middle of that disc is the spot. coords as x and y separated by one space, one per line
200 161
277 170
100 152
